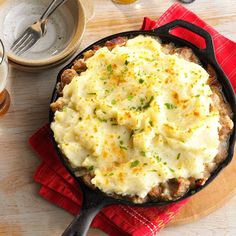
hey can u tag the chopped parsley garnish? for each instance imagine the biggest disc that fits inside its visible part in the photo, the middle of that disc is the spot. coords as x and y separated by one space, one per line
110 174
165 163
126 62
123 147
170 106
148 103
145 106
103 78
158 158
91 93
121 142
113 121
130 97
143 153
178 156
171 170
91 168
109 68
141 81
102 120
197 96
113 102
134 163
142 100
124 70
80 118
150 122
145 164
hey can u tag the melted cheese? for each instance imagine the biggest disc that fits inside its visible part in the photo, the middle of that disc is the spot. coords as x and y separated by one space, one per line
137 117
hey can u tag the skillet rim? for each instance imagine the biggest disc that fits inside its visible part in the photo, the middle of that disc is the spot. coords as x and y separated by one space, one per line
206 58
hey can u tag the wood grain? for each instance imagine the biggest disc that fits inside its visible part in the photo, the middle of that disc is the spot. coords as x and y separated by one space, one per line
22 211
211 198
89 9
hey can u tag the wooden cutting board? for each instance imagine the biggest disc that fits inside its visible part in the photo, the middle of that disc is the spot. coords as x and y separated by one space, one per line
211 198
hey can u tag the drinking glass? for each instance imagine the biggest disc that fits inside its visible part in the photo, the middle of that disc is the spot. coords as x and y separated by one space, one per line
4 95
124 1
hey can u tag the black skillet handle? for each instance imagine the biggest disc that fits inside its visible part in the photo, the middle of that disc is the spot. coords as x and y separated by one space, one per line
93 202
80 225
165 30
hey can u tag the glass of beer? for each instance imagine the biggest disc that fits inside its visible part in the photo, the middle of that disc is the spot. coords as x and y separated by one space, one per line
4 95
124 1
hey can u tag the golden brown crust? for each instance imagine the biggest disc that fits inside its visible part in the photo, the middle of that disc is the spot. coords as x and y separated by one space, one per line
56 106
79 65
120 41
155 192
67 76
88 54
187 54
178 187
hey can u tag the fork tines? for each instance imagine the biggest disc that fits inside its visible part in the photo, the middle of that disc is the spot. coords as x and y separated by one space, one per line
24 42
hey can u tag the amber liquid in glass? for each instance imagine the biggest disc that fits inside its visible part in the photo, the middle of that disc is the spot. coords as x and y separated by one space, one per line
4 95
124 1
4 102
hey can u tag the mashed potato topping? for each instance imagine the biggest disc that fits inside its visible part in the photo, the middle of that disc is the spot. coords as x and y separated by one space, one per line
138 117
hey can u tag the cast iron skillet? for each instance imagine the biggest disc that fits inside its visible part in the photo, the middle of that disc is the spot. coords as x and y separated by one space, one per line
95 200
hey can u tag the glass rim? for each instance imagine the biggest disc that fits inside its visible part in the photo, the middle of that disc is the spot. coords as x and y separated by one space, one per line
3 52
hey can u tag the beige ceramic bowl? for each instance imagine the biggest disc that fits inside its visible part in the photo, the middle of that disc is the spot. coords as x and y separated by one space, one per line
65 30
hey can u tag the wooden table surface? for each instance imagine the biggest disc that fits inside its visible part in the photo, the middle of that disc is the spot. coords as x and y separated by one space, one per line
22 210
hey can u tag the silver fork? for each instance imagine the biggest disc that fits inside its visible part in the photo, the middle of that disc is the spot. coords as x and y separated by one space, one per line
35 31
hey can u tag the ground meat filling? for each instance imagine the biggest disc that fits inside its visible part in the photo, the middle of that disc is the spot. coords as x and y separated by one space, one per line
173 188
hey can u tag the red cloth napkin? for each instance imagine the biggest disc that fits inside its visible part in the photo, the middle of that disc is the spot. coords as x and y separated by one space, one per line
59 187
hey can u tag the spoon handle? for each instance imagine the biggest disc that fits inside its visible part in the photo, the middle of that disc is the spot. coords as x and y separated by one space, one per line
51 8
